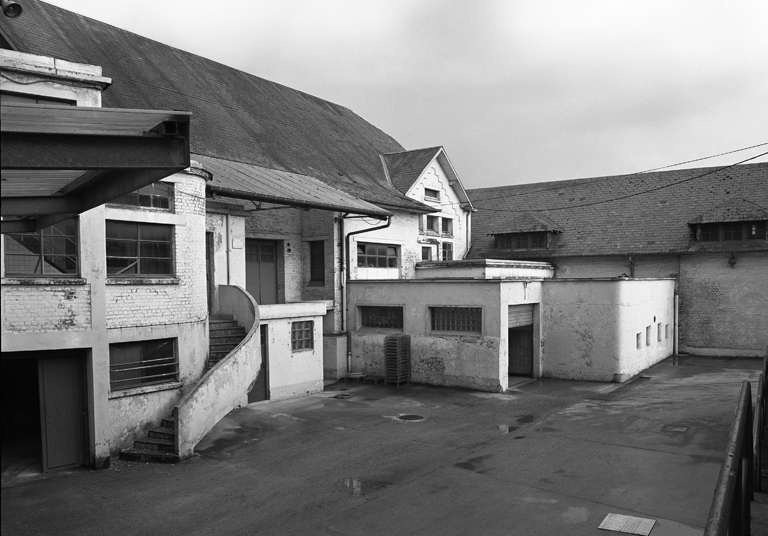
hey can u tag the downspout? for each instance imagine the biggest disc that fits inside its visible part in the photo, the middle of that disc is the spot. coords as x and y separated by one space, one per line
347 279
675 342
227 223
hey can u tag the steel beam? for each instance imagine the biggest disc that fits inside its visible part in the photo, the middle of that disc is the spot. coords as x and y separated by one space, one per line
39 206
65 151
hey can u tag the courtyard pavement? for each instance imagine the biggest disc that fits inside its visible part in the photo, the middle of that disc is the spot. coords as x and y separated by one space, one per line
546 457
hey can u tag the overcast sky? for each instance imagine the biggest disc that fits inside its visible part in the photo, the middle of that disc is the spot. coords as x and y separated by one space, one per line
516 91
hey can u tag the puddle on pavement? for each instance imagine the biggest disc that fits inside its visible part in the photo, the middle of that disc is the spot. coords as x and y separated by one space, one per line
342 396
410 417
357 487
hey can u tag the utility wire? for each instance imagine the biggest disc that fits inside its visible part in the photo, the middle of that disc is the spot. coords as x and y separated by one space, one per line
574 183
625 196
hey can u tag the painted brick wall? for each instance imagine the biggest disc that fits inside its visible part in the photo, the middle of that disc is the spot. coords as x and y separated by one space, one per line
37 309
319 225
131 305
724 307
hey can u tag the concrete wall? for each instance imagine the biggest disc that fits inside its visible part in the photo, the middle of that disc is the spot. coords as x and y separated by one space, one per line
589 328
723 310
472 361
484 269
293 373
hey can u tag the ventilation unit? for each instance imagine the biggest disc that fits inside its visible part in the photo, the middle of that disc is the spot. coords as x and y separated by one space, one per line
397 357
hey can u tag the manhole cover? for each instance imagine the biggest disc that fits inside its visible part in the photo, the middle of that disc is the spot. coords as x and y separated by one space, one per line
411 417
342 396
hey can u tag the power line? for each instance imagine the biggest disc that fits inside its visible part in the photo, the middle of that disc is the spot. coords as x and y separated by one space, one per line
628 195
578 182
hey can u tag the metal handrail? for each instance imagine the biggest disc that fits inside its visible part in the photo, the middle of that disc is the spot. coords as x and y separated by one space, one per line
757 433
730 511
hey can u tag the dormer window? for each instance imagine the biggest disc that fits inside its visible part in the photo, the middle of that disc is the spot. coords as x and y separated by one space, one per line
731 231
431 195
534 240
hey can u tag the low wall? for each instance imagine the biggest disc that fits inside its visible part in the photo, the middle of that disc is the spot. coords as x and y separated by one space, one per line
292 373
225 386
605 329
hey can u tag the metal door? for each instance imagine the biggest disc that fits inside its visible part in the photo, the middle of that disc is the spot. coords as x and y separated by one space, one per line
261 270
62 411
521 351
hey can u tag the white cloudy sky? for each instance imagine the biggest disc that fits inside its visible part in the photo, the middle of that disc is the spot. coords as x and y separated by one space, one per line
516 91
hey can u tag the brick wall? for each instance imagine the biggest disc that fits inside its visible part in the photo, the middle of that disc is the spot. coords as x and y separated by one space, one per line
131 304
41 308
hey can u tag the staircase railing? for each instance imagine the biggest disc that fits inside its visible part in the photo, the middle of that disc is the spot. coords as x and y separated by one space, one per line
224 386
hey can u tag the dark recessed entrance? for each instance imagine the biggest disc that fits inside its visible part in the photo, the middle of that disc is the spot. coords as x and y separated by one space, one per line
521 351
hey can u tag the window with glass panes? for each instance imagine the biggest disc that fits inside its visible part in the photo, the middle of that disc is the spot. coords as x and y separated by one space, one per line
535 240
447 226
52 251
302 335
457 319
139 249
157 195
381 316
447 253
377 256
732 231
136 364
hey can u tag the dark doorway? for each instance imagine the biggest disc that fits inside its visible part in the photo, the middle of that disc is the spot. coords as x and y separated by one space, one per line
521 351
44 412
209 268
261 270
260 390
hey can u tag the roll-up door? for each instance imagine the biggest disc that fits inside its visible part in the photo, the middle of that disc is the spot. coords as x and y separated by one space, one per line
520 315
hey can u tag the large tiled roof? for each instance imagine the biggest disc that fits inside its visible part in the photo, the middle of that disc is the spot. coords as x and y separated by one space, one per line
405 168
645 213
235 116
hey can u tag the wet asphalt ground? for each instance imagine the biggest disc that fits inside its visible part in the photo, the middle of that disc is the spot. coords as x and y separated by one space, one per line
547 457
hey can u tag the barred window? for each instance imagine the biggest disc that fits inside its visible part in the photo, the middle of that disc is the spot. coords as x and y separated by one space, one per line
459 319
537 240
139 249
156 195
302 335
382 317
317 263
377 256
136 364
50 251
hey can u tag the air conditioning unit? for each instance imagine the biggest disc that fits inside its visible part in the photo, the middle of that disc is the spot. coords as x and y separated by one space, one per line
397 358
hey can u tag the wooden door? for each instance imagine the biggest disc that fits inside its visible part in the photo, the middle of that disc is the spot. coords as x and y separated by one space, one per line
62 411
261 270
521 351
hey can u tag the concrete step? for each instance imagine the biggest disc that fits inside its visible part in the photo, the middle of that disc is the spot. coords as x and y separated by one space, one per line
144 455
163 432
221 317
169 422
227 339
212 324
227 332
153 443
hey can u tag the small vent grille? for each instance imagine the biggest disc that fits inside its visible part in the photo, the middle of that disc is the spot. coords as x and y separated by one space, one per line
397 357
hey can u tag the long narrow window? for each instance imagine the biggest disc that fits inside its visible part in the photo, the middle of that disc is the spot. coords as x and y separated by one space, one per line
458 319
534 240
447 252
136 364
51 251
317 263
156 195
139 249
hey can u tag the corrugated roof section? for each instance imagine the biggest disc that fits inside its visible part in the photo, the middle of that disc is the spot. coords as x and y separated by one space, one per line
246 181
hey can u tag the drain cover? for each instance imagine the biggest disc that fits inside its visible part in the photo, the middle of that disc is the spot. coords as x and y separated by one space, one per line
342 396
409 417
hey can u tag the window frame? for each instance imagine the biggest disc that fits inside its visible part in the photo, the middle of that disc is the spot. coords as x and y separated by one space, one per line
727 231
298 342
152 192
364 258
165 378
138 243
438 325
428 251
446 226
433 225
523 241
44 244
397 318
316 271
429 197
446 251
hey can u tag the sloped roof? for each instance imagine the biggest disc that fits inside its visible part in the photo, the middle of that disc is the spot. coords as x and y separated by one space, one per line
733 210
405 168
235 115
628 214
524 222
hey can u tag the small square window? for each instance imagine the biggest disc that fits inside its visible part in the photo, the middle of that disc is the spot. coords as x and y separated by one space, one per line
433 224
302 335
426 254
447 226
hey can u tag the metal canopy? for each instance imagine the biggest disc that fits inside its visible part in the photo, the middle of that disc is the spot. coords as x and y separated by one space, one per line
58 161
247 181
